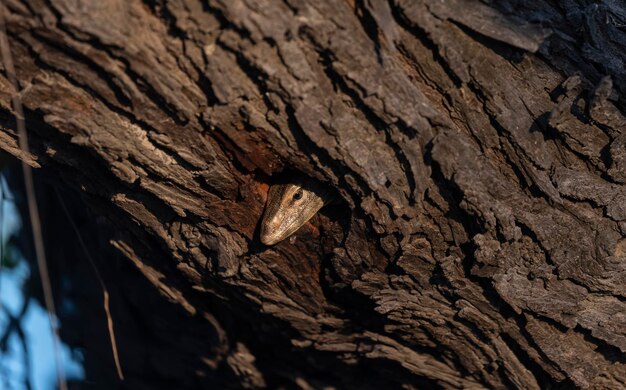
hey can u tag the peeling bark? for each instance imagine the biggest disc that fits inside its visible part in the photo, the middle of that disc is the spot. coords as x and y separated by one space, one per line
478 147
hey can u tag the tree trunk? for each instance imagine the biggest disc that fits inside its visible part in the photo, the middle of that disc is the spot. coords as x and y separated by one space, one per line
477 151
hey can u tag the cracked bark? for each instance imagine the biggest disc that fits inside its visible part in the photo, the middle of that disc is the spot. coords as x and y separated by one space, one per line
479 148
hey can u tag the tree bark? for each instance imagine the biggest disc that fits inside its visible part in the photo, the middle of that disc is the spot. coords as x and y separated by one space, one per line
477 150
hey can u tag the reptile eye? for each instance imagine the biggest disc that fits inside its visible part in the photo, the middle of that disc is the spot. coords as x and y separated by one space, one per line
297 195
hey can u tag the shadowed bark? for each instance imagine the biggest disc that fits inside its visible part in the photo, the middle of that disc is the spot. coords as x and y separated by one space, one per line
477 150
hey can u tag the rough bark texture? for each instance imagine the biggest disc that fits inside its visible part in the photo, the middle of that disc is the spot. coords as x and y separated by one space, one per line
478 146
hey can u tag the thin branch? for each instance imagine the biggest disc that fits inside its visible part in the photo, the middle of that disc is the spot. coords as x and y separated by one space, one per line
1 236
32 201
105 292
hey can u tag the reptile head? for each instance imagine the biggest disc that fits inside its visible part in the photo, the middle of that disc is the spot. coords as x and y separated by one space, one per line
289 206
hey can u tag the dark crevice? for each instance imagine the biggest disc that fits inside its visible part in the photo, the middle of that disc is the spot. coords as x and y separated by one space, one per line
83 60
162 11
225 23
610 353
451 193
139 81
596 291
539 372
507 52
372 118
525 181
369 26
423 36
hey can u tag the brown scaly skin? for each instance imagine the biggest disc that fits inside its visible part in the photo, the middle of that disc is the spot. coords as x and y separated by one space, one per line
289 206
